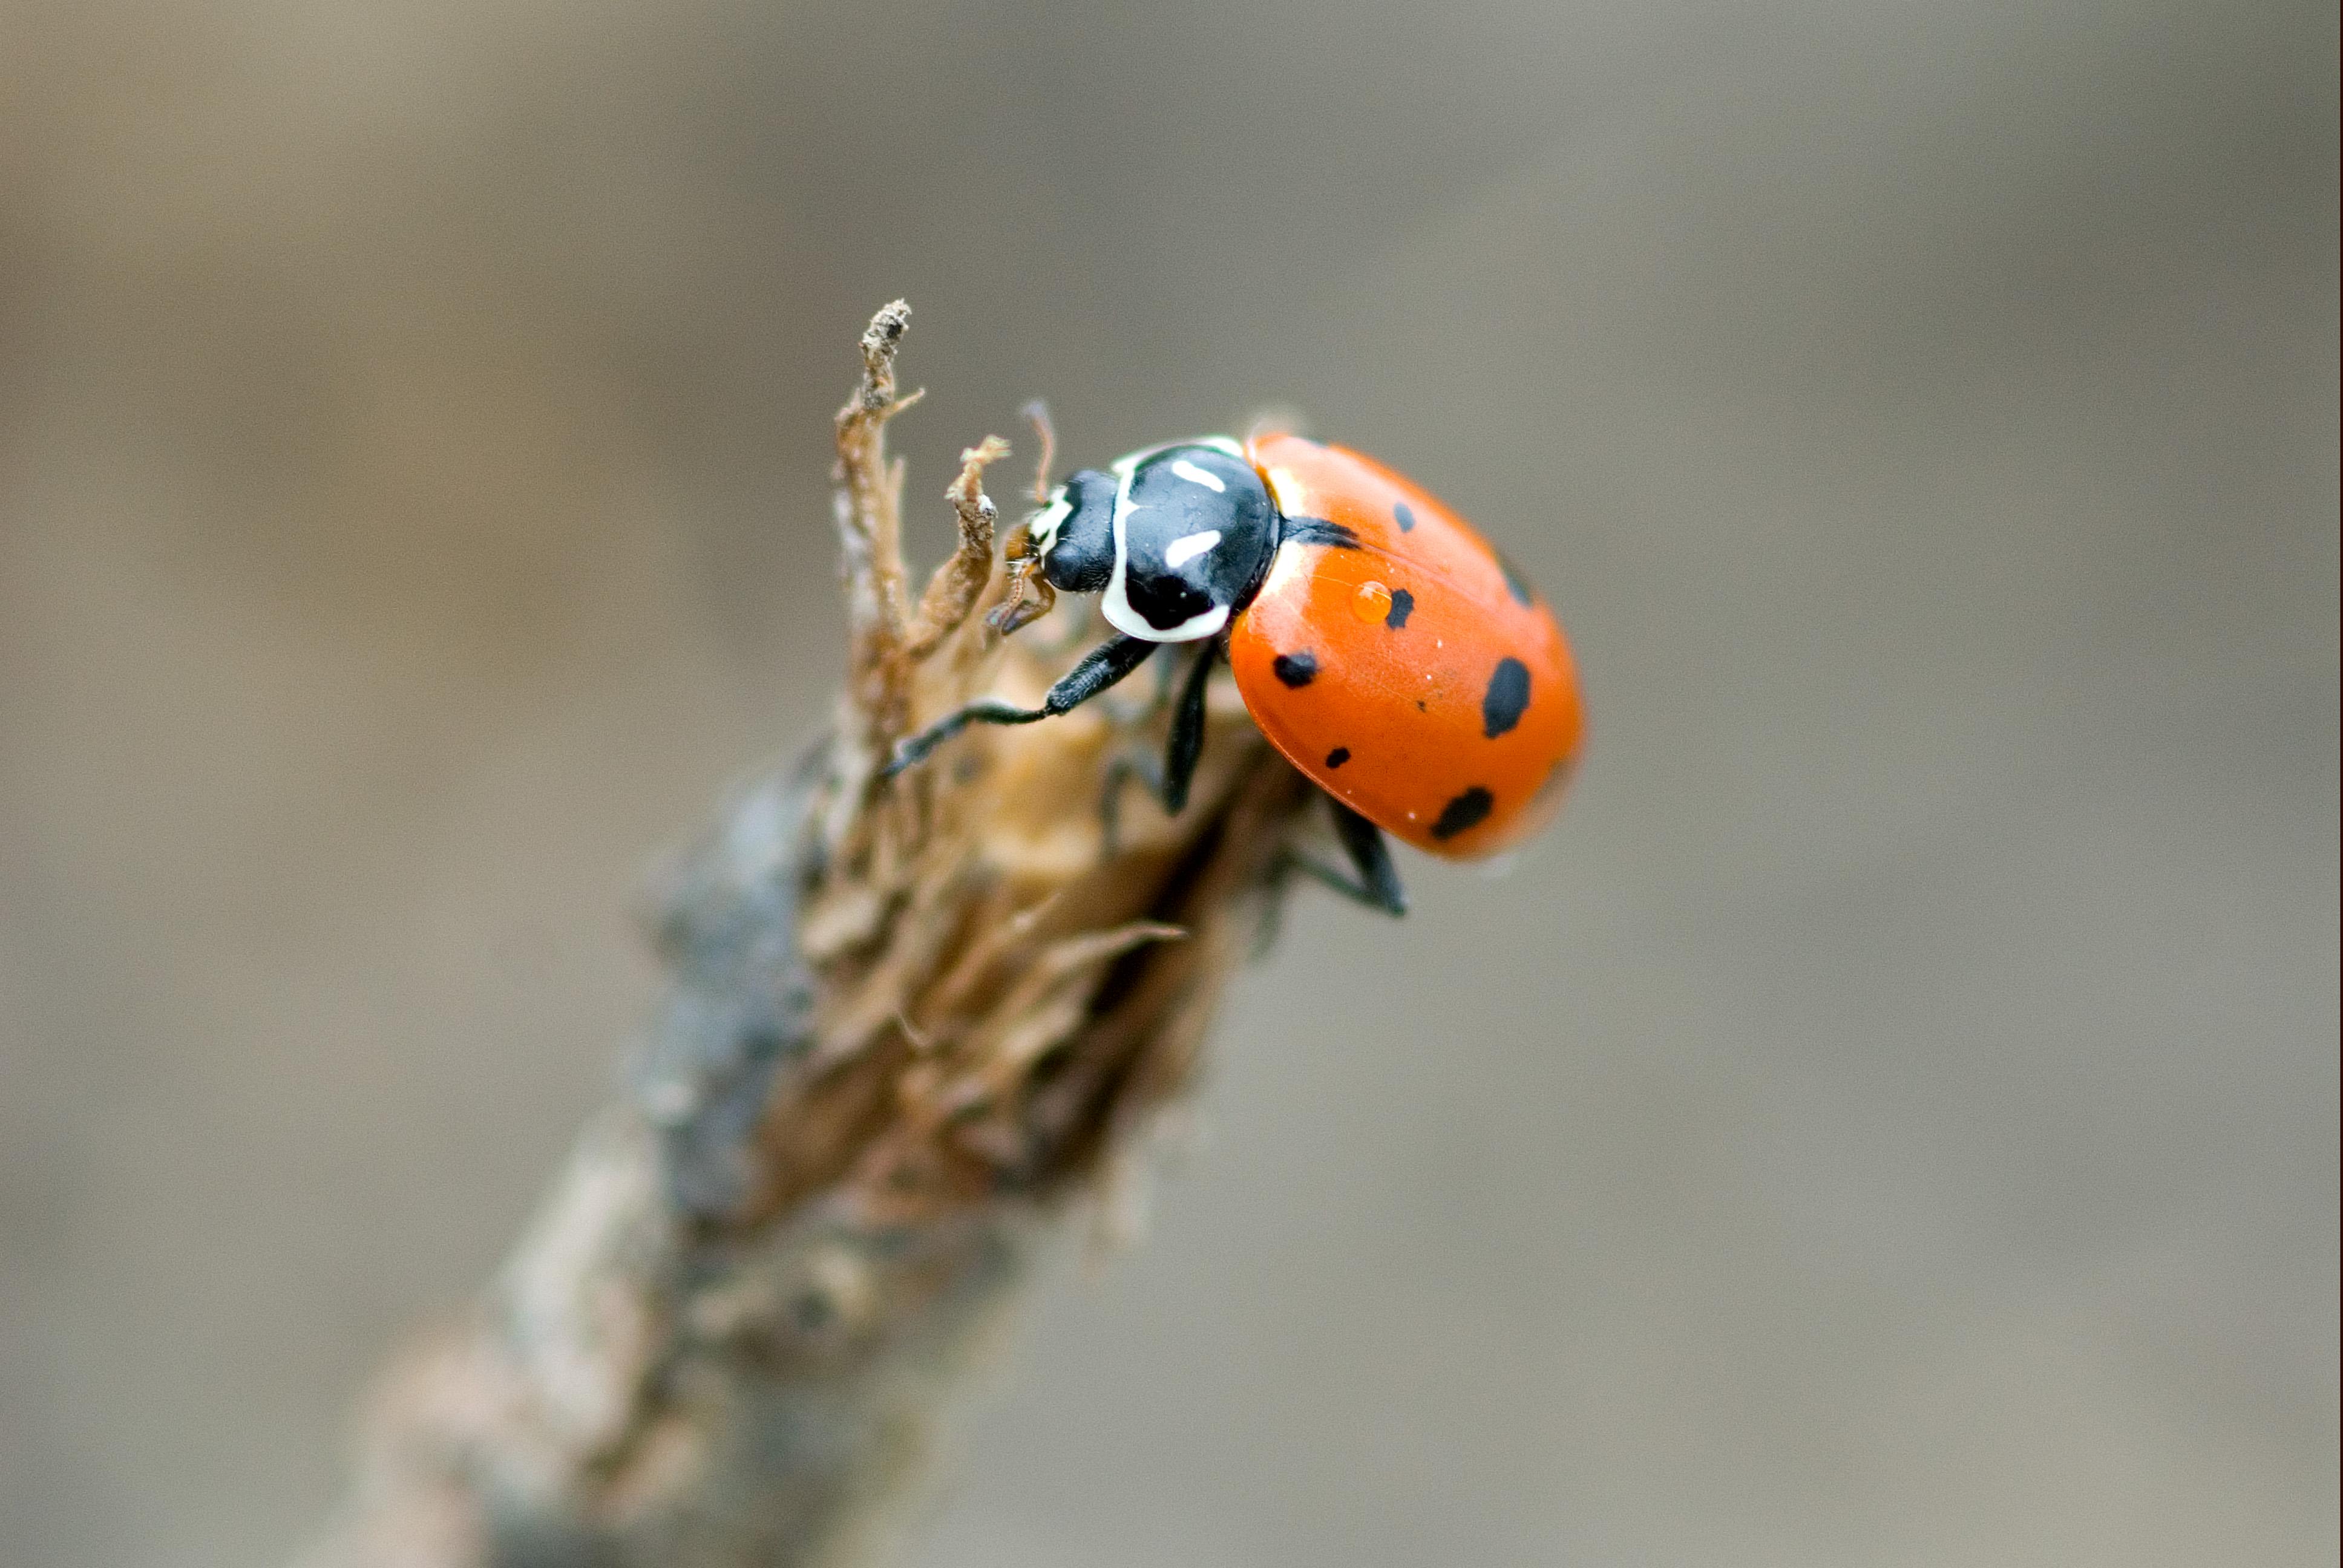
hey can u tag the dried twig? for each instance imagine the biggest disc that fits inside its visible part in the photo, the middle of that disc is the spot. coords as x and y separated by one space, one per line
953 591
909 1022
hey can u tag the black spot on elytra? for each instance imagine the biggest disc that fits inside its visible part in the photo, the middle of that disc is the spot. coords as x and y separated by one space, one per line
1467 811
1336 757
1403 606
1296 668
1508 695
1516 584
1405 515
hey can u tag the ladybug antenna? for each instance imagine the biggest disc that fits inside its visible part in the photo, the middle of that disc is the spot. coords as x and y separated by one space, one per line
1038 413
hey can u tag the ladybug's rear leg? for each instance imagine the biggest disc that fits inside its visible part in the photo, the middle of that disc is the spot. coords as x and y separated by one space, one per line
1100 669
1377 885
1169 784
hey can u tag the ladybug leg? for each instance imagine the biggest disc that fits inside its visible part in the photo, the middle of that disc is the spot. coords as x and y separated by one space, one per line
1130 710
1169 784
1378 885
1100 669
1187 740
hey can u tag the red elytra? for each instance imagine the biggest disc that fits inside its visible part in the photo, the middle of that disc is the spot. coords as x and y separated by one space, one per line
1417 677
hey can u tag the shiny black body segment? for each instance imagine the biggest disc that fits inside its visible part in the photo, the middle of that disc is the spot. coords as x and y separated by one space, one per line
1197 531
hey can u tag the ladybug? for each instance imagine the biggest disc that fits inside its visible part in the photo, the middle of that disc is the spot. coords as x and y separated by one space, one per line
1378 641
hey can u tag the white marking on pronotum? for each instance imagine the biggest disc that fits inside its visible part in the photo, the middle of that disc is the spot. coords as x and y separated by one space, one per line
1116 603
1120 615
1187 548
1196 475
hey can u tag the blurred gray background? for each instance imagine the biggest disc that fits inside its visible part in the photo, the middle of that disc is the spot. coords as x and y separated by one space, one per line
1890 1119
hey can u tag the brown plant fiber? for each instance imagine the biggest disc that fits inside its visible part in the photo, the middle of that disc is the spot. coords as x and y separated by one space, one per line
909 1022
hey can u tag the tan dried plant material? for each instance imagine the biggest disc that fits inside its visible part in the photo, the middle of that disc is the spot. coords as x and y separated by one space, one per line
909 1020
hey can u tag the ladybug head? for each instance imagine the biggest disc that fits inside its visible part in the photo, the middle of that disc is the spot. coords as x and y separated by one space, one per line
1073 533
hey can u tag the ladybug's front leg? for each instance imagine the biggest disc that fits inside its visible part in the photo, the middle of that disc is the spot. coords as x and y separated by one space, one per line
1100 669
